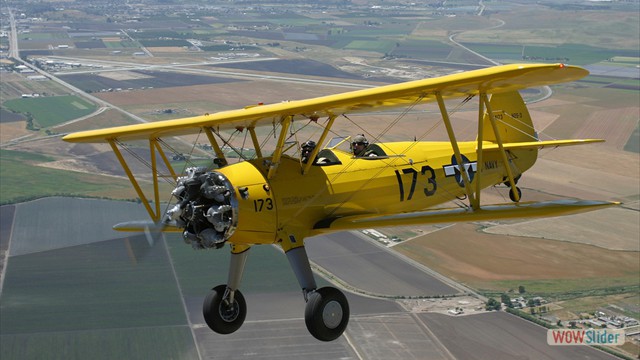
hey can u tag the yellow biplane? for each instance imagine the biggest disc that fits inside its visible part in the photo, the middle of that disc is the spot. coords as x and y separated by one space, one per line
277 198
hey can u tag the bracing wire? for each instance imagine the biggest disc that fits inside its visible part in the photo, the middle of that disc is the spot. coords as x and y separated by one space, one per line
227 142
142 160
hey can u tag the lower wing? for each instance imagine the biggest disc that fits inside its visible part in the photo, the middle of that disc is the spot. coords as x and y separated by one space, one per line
488 212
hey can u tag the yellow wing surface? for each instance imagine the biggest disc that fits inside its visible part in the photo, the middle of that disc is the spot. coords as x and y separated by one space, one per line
492 80
453 215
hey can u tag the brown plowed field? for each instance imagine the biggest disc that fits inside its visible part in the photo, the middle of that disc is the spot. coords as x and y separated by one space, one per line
473 257
613 125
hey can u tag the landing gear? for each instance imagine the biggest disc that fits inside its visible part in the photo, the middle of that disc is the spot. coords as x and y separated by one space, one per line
326 313
224 311
512 195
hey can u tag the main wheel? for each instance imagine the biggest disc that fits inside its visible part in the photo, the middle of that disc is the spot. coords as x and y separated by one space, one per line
327 313
222 316
512 195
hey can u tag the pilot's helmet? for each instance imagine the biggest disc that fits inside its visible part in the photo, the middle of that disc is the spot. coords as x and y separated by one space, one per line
308 145
360 139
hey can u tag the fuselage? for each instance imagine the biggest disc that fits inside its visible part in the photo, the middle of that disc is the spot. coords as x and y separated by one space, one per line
409 176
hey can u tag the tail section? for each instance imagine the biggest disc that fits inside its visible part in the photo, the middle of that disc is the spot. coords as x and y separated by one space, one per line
514 127
518 137
512 119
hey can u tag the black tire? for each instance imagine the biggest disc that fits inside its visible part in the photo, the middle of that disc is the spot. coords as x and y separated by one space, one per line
219 315
512 195
327 313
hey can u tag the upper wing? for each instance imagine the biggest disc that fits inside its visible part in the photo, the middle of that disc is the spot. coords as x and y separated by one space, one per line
438 216
494 80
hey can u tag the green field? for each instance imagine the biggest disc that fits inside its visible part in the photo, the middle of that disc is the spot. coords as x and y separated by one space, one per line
52 110
573 53
43 36
57 290
22 179
173 342
120 44
423 49
107 300
371 45
633 144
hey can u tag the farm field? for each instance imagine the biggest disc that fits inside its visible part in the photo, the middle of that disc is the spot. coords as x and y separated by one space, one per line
20 183
500 263
138 80
250 55
107 296
87 291
51 111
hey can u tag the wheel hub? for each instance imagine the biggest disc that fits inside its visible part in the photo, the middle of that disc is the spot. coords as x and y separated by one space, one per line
229 312
332 314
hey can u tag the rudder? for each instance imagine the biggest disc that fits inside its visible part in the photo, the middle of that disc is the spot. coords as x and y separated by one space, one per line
513 121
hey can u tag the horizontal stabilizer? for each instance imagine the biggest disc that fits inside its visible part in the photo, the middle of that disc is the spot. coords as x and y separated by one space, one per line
488 212
539 144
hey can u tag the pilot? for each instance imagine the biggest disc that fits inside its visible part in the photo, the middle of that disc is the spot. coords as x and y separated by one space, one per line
359 145
307 149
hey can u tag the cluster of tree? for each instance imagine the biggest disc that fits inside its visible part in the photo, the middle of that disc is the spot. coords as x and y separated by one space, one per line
539 310
506 299
31 124
531 318
493 304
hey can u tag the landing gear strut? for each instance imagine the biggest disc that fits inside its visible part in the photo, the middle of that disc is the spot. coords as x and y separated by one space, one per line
512 195
327 311
225 309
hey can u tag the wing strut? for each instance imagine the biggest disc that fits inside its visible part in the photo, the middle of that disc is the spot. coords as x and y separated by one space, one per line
156 142
484 99
456 149
476 203
275 161
256 143
215 146
153 145
316 150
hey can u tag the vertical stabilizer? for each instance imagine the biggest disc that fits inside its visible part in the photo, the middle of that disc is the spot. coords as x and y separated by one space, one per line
512 118
514 125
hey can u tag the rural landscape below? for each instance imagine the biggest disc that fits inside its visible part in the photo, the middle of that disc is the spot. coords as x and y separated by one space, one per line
73 288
